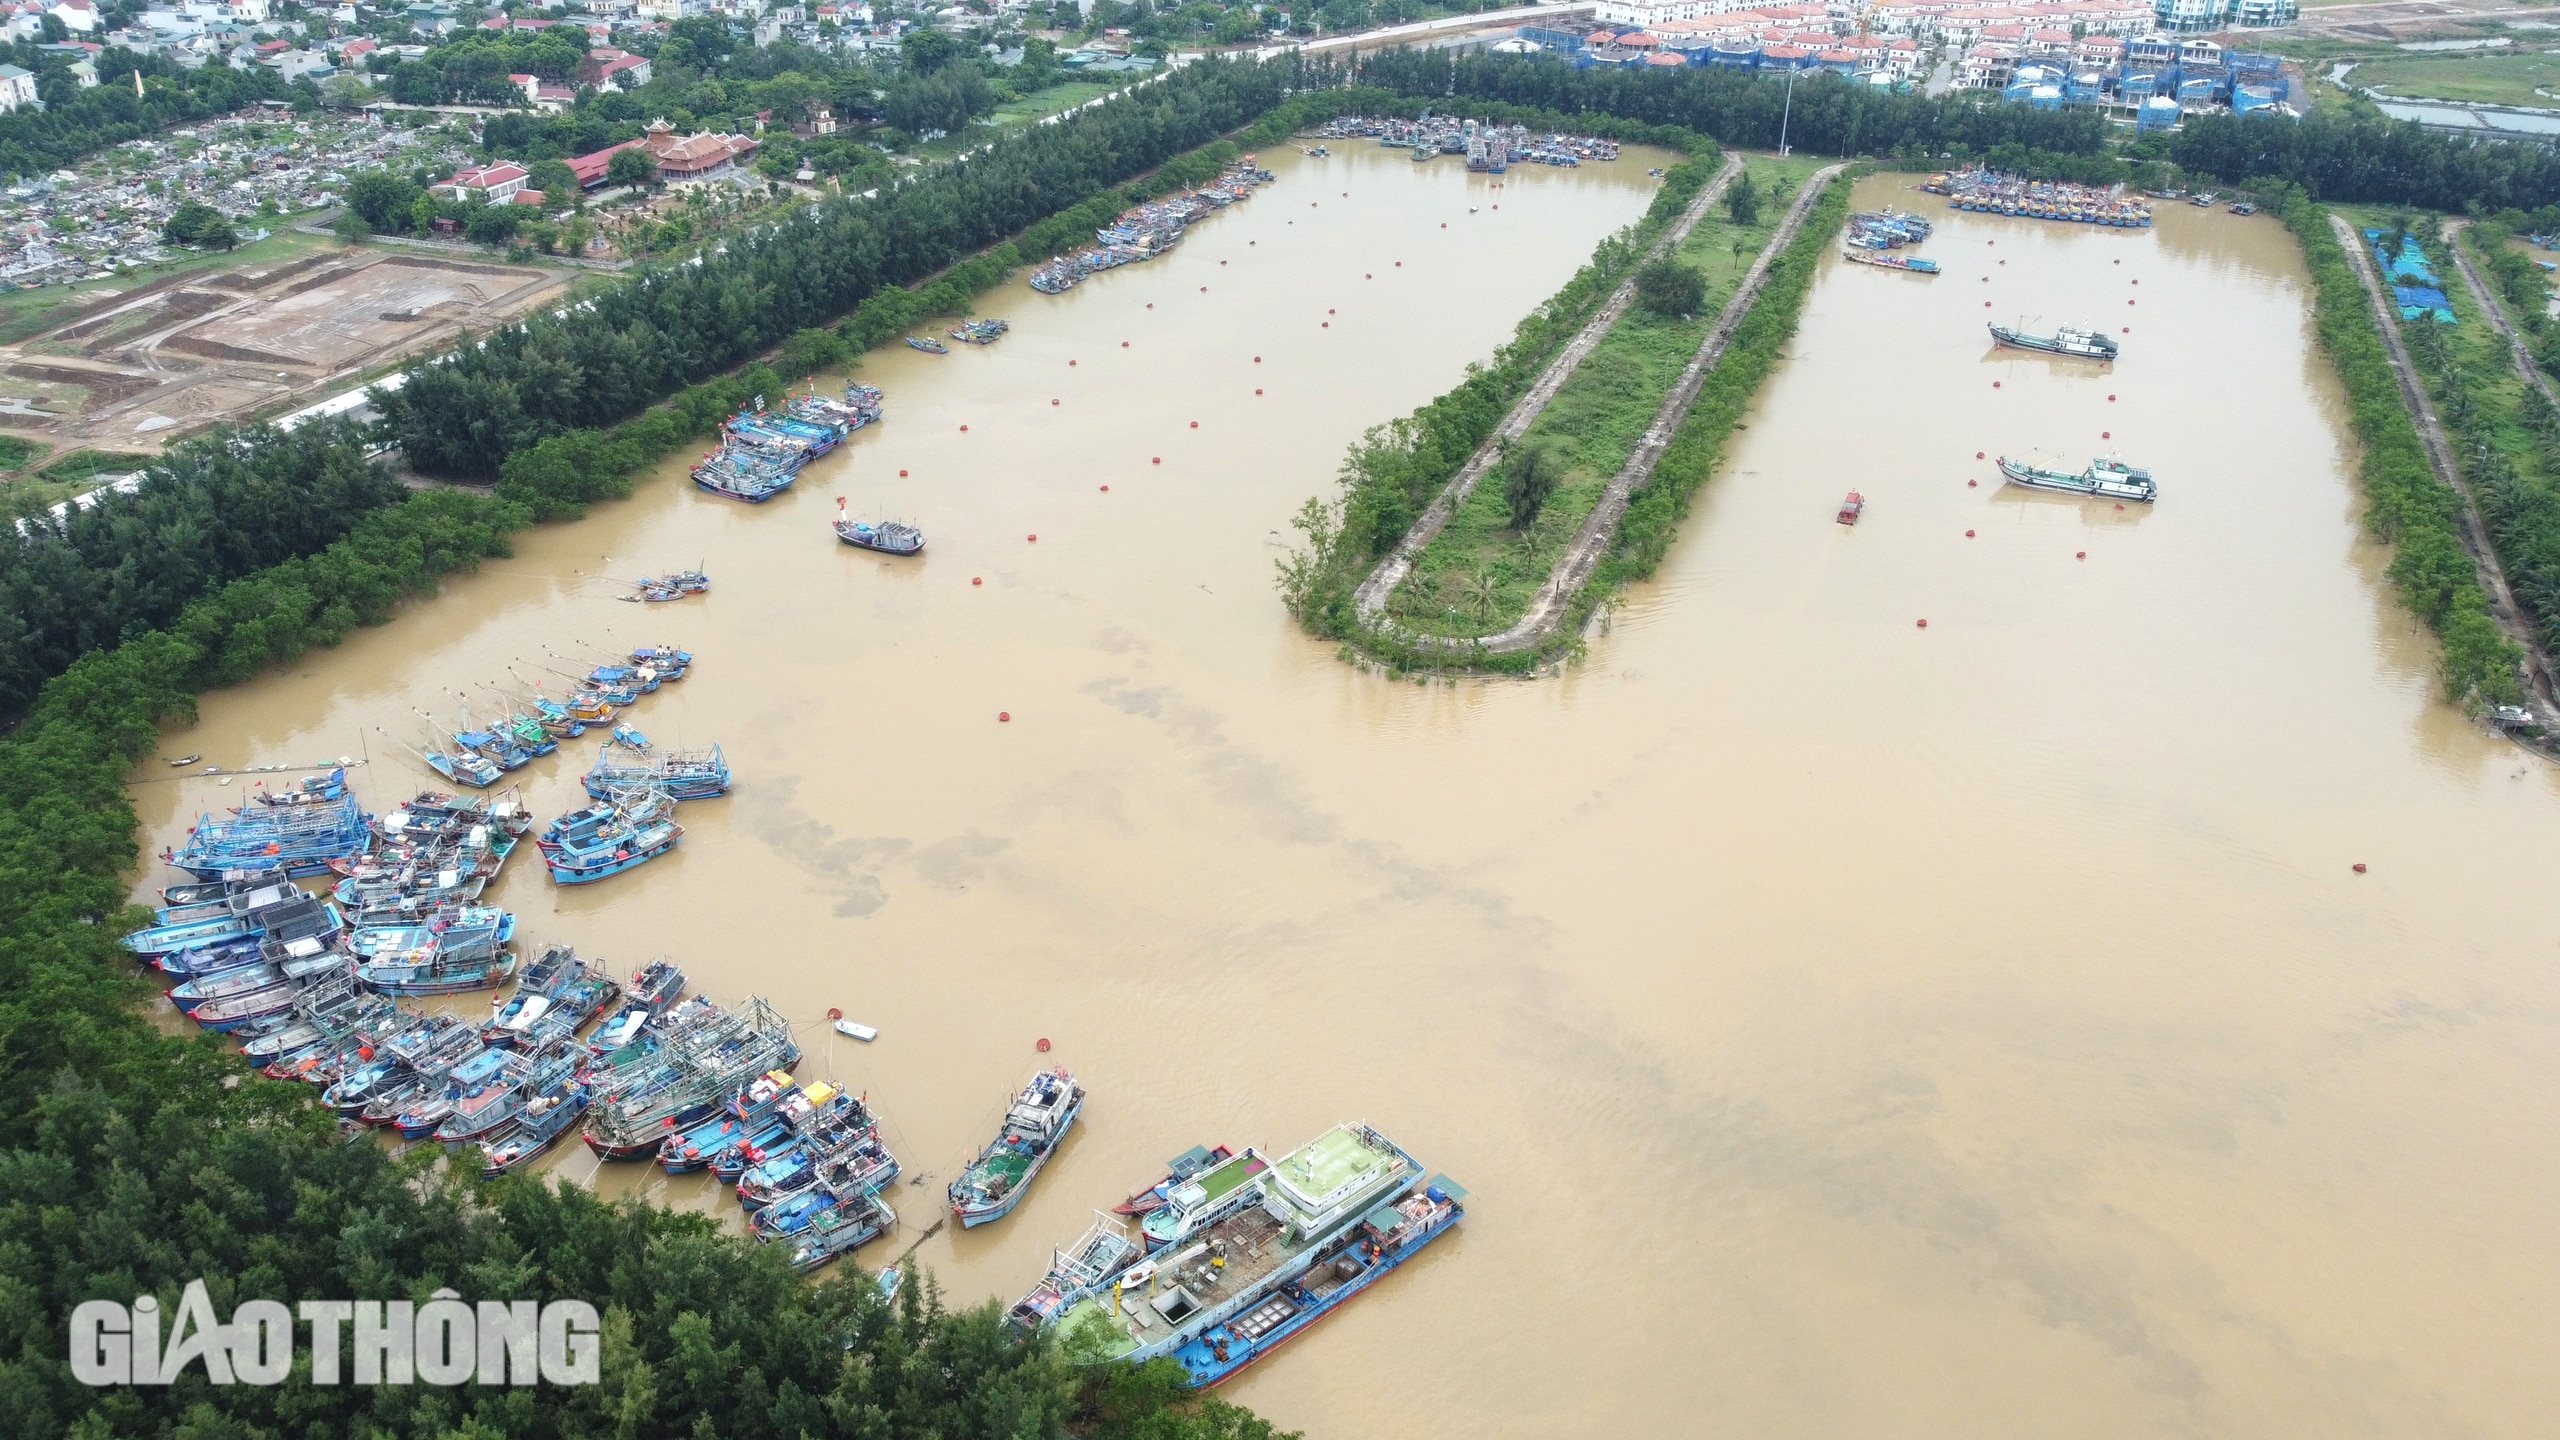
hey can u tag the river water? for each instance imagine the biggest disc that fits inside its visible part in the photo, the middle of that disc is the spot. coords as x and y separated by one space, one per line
1845 1028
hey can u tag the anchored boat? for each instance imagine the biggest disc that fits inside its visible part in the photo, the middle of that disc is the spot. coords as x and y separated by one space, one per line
1038 1120
888 537
1851 508
1315 1230
2068 340
1887 260
2105 479
930 347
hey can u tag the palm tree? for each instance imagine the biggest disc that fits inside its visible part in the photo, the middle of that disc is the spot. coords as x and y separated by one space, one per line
1481 591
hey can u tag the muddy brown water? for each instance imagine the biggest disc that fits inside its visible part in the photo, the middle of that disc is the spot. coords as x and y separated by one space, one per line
1846 1029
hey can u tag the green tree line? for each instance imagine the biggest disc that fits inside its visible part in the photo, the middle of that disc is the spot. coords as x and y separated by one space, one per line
2359 158
462 414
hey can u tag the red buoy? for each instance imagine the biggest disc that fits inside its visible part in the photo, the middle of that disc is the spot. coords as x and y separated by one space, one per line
1970 484
2128 302
1155 460
1204 289
1257 390
2119 262
1444 224
1986 304
1044 1044
1924 624
1324 324
2106 434
1995 384
2359 867
834 1014
1977 454
977 580
1968 534
2137 282
1106 489
964 429
2082 555
1222 262
902 474
1053 400
1400 264
1151 304
1034 539
1004 716
1195 424
1333 312
1071 364
2128 329
1257 359
1123 345
2111 399
2119 504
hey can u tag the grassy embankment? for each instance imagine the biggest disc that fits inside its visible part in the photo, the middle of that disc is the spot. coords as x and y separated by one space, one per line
2497 78
1480 573
2405 506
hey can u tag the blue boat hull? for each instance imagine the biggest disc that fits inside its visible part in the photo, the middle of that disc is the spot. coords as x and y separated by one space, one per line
1199 1359
972 1216
583 875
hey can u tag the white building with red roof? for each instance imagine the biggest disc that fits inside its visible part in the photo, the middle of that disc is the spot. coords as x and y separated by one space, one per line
496 183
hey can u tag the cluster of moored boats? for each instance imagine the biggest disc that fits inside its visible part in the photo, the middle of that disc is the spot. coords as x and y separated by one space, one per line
674 585
1486 145
1146 231
1995 192
761 451
1232 1253
1878 237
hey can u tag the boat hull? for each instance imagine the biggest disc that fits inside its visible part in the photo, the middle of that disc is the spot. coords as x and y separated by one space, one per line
1206 1371
2085 486
971 1215
2045 345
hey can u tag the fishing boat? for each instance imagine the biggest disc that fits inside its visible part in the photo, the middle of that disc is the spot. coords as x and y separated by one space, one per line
1323 1224
682 774
929 346
1076 1270
637 826
1179 1169
839 1228
310 790
1196 1205
979 332
545 1119
1851 507
242 916
183 761
748 1113
239 980
239 882
2066 340
852 1031
462 766
1037 1120
299 839
833 1143
889 536
2105 479
1886 260
230 1012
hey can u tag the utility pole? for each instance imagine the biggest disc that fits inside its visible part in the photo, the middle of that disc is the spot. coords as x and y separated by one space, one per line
1788 112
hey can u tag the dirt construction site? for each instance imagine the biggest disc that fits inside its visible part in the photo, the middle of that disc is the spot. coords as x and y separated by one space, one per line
132 370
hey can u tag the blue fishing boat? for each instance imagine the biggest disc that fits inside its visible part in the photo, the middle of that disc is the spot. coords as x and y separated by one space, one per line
670 662
979 332
463 767
427 970
299 839
639 829
889 537
241 917
682 774
930 347
1036 1122
231 1012
1077 1270
311 790
219 889
838 1229
835 1146
545 1119
748 1112
237 981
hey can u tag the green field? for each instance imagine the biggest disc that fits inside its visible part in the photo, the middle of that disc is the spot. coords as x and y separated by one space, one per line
1478 575
2503 78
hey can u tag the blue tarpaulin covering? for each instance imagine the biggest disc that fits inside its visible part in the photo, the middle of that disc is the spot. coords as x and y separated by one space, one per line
2412 264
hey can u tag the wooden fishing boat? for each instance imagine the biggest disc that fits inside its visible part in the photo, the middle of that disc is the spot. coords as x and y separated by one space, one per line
889 537
839 1228
929 346
1038 1119
1851 508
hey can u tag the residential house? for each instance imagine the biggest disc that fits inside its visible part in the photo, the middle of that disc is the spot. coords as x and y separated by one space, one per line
496 182
610 69
17 88
77 16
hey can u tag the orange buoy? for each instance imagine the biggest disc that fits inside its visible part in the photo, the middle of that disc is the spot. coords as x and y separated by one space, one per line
1004 717
1044 1044
2359 867
977 579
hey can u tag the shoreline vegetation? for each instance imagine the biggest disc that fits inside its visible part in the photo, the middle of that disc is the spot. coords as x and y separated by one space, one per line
2405 505
1396 465
138 1161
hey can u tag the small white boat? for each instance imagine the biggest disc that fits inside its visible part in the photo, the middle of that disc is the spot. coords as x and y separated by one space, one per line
858 1032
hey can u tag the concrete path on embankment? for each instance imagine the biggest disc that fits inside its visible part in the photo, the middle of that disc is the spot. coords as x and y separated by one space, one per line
1371 597
1554 600
2475 537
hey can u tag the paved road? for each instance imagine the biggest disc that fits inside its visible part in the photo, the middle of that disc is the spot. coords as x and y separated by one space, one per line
1371 597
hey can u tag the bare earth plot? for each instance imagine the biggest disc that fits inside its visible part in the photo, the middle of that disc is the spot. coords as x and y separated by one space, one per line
138 369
